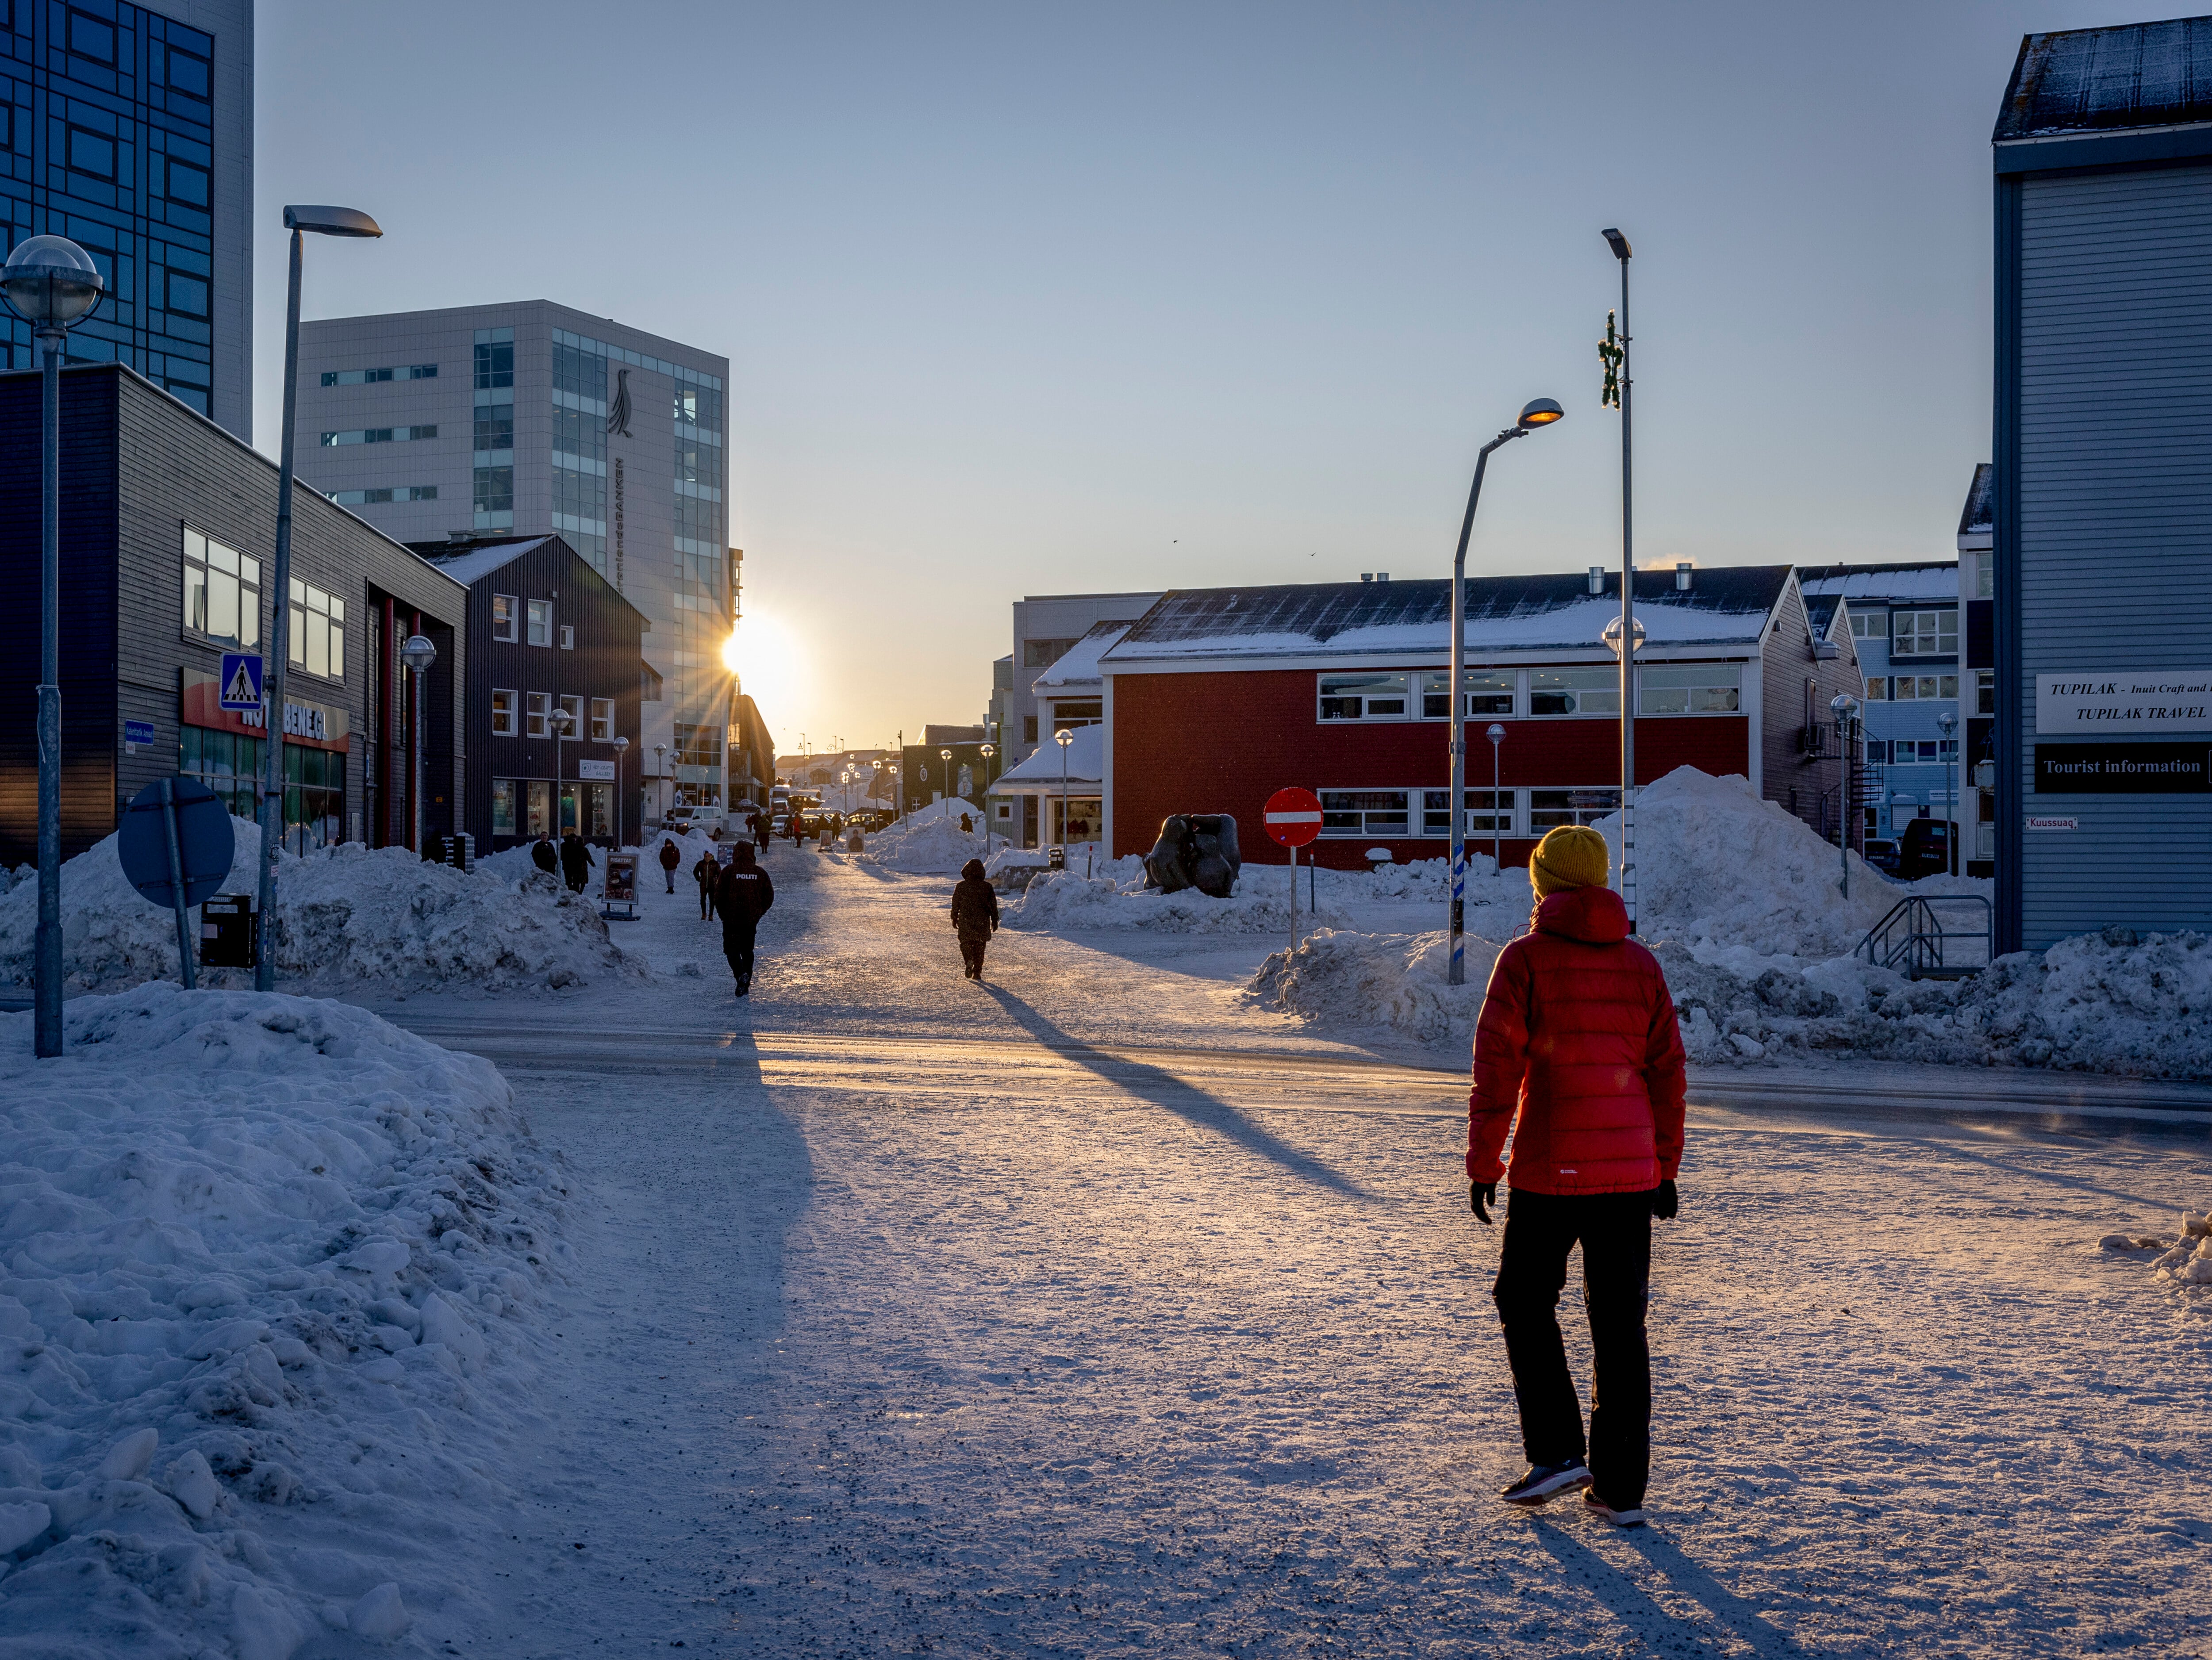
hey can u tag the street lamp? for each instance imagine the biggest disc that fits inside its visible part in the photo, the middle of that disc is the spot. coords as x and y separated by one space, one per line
52 285
1063 738
1618 384
1611 635
418 654
1947 723
945 755
1496 733
622 746
1845 708
324 221
1538 412
988 750
561 720
661 780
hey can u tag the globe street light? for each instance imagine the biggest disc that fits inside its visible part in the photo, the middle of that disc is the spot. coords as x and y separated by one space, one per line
622 745
661 781
52 285
418 654
1537 412
324 221
1611 636
988 750
1947 723
945 755
561 720
1063 738
1497 735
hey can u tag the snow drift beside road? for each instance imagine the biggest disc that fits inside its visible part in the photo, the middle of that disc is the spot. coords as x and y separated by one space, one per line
929 841
345 917
1116 898
271 1267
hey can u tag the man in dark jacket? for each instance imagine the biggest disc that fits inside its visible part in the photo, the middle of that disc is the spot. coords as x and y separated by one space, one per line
670 858
706 872
575 862
1578 1037
760 832
743 896
543 856
975 916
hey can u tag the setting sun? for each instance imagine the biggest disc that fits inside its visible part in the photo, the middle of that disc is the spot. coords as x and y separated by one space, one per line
765 656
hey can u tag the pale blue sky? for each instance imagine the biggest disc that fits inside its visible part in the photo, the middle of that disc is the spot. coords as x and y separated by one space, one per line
1033 300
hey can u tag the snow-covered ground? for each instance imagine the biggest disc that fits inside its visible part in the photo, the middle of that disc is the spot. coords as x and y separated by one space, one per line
1098 1310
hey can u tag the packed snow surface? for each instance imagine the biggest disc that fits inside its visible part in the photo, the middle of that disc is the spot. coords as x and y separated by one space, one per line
2181 1260
270 1268
345 917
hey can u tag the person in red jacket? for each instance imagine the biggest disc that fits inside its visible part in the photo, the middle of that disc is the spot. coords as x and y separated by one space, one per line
1578 1039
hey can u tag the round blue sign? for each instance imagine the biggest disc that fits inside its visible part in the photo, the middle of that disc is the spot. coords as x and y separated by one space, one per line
205 844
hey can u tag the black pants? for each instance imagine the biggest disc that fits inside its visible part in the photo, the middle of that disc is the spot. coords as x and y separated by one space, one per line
738 947
671 874
971 953
1615 1231
706 902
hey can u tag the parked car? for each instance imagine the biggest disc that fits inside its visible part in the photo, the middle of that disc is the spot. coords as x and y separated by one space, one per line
780 824
1924 850
1882 855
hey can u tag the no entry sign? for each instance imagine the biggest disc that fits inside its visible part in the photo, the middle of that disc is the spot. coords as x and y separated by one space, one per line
1293 816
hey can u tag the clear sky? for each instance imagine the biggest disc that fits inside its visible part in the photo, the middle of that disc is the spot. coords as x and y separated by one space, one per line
1026 299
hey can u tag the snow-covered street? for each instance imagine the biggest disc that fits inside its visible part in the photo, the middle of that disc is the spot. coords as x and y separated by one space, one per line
1092 1309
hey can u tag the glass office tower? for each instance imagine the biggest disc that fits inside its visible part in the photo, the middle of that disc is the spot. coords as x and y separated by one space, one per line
130 129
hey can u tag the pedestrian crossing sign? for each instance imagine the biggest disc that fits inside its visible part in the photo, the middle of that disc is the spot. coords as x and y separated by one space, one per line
241 679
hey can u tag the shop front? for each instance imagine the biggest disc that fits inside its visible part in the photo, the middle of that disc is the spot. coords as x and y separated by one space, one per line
223 748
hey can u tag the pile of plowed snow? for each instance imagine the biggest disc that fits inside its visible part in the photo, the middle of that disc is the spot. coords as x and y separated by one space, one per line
929 841
1057 900
2181 1260
270 1276
345 917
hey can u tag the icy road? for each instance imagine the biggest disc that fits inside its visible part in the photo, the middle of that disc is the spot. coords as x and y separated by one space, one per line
1088 1312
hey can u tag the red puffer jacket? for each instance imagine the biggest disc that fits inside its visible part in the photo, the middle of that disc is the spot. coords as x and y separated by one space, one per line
1577 1034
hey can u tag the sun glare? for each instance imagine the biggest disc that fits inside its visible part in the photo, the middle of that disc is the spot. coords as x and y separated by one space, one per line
765 656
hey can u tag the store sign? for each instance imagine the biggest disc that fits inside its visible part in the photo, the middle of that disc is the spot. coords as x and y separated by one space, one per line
2123 769
316 726
2124 705
2037 823
603 771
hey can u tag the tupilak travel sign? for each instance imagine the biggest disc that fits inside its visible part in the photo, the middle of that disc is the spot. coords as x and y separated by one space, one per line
2123 769
2123 704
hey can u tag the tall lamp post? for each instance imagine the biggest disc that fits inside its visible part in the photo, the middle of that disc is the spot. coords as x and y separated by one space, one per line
945 755
561 720
52 285
1946 724
1496 736
418 654
324 221
1538 412
988 750
1063 738
661 780
1845 708
622 746
1619 386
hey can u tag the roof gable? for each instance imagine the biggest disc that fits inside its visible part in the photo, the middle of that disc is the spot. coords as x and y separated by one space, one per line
2131 76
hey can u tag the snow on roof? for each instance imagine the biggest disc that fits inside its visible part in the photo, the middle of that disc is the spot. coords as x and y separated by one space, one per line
1726 606
480 562
2109 80
1931 580
1086 762
1979 517
1078 664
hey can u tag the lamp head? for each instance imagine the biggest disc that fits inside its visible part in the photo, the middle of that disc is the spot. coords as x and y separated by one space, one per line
621 744
51 283
1618 243
989 750
1540 412
1845 705
1947 723
418 653
332 222
1063 737
1612 635
1496 733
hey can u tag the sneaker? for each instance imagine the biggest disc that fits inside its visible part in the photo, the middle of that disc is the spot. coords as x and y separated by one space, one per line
1542 1480
1619 1518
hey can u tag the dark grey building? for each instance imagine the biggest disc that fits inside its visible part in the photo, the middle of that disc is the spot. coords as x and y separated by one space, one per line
547 634
168 528
2102 541
128 129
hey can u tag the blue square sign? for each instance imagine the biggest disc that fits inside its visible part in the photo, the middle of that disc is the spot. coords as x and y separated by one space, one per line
241 679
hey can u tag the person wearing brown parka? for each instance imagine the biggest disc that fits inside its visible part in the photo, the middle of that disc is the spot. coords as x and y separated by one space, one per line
975 916
1577 1045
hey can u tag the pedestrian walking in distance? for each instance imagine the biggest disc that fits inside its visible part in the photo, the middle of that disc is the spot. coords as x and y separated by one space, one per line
575 862
670 858
743 896
706 873
975 916
1578 1038
543 856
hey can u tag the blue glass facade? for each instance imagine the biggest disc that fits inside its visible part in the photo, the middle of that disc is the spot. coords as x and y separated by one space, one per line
107 137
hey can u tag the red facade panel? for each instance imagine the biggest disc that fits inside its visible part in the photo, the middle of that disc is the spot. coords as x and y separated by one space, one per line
1223 743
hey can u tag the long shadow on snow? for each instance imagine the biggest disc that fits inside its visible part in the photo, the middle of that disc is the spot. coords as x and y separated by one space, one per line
1635 1608
1186 1100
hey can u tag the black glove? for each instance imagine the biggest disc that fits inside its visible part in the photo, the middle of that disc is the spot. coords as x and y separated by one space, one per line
1480 1194
1663 1201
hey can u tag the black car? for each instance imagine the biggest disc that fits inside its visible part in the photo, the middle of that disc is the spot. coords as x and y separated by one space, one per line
1882 855
1924 849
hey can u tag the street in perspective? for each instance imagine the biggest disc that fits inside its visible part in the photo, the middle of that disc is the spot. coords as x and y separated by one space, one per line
1412 1026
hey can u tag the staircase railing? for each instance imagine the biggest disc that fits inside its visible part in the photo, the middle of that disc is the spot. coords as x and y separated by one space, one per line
1915 940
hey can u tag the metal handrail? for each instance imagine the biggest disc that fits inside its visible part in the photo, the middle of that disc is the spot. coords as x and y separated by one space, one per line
1913 939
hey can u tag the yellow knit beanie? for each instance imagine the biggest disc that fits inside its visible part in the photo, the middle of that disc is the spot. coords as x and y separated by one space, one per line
1572 856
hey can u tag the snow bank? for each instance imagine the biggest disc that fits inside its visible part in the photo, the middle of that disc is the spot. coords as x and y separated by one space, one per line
929 841
345 916
1116 898
2181 1260
270 1270
1395 980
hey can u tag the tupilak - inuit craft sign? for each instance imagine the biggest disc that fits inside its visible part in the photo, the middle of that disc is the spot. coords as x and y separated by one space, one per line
2124 705
2123 769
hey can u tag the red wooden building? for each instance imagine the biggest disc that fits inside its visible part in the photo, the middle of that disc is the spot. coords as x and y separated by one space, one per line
1217 697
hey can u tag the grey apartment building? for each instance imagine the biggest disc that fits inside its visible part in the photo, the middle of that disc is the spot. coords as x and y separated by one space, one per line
528 418
128 129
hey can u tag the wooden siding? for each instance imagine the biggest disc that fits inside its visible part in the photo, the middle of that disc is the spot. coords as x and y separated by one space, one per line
1788 775
2114 565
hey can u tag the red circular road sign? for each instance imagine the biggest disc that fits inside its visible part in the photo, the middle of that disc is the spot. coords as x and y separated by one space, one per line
1293 816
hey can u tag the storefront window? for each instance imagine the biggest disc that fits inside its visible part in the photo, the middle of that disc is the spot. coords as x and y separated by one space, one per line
226 763
541 807
601 803
314 797
503 807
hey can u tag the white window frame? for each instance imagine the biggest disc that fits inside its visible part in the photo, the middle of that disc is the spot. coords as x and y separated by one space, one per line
316 637
1436 683
1408 808
504 705
1589 814
505 614
1877 688
1436 805
1607 685
538 714
1692 678
1947 689
1904 634
1869 624
568 636
208 566
538 622
603 720
573 703
1403 694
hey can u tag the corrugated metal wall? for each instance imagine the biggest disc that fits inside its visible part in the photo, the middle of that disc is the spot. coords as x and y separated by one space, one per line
2115 515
